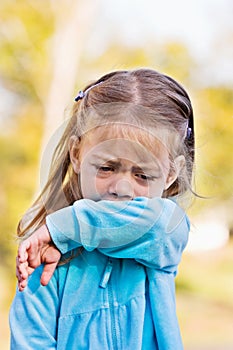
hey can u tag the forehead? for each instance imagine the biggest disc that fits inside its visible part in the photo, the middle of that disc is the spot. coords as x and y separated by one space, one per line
125 142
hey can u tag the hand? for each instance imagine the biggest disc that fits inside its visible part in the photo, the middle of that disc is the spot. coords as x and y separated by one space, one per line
36 250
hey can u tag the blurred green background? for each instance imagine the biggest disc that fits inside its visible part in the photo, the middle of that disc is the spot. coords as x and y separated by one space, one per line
49 50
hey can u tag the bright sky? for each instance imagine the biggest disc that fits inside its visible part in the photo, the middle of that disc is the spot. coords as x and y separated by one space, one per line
195 21
204 26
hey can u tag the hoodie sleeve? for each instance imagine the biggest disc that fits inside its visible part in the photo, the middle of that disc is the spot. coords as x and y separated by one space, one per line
152 231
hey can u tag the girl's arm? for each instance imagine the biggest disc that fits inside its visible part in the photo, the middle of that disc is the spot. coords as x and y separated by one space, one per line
152 231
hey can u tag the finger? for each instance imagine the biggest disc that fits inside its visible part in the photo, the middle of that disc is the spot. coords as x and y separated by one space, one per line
21 269
22 285
22 251
47 273
22 281
18 276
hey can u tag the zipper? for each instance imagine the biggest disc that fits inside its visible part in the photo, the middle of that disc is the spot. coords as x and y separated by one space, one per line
106 282
106 274
112 315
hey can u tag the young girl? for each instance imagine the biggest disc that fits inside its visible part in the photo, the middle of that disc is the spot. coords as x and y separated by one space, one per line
110 208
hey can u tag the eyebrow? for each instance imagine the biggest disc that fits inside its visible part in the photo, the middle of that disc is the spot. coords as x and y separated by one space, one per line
104 159
141 166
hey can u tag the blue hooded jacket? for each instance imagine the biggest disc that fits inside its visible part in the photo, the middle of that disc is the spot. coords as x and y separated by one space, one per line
117 292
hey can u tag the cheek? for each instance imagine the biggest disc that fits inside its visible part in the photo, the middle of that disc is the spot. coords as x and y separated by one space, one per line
92 187
150 189
87 181
156 188
100 184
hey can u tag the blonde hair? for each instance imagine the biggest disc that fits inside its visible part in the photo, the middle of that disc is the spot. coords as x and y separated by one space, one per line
144 99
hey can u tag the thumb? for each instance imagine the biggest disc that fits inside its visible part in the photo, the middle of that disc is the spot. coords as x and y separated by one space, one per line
47 273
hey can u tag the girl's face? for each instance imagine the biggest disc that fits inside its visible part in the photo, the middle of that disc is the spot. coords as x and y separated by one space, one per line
121 169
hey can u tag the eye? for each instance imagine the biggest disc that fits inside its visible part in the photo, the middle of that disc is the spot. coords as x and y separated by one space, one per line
146 177
143 176
105 169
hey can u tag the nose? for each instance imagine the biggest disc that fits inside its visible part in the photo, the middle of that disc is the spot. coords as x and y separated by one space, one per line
122 188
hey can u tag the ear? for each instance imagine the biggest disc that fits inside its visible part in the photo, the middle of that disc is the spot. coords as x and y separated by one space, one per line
74 147
178 164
